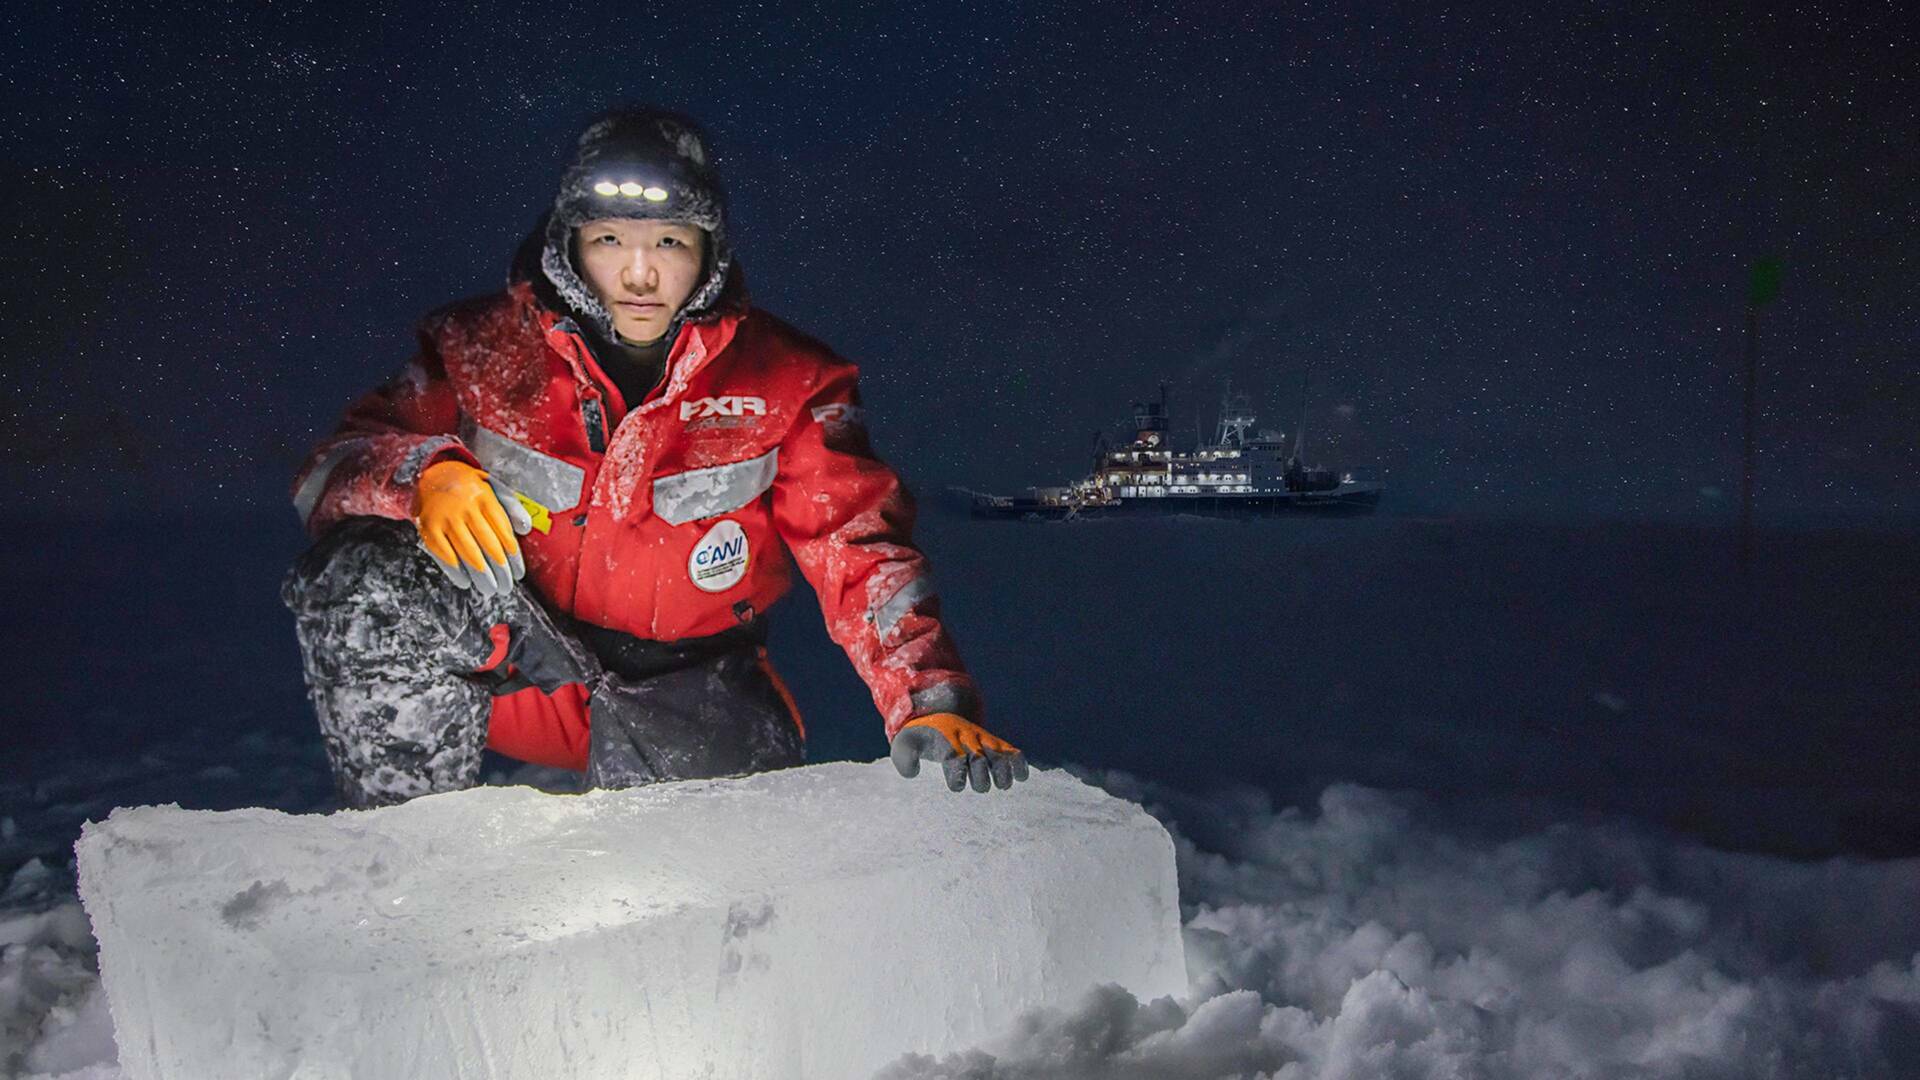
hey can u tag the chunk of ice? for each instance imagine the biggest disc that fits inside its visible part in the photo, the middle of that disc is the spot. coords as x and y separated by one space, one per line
815 922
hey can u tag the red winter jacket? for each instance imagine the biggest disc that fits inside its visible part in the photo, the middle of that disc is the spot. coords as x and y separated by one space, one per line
667 519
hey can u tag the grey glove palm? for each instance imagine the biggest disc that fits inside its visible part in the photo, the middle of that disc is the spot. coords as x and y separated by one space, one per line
965 751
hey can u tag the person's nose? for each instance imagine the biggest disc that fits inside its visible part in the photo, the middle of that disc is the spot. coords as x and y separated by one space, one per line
640 275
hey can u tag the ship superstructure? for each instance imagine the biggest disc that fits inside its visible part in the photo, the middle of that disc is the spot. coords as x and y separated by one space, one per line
1243 472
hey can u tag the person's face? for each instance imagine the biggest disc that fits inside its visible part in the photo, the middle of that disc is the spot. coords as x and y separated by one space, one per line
642 271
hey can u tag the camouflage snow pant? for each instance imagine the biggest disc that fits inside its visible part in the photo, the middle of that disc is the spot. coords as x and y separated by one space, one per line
403 670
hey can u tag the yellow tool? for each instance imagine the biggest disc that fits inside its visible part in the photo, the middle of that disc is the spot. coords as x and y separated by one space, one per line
542 520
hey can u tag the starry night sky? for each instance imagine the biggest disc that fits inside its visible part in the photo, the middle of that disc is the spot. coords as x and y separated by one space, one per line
1503 251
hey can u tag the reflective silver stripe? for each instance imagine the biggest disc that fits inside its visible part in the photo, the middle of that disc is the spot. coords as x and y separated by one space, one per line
698 493
888 614
547 480
419 457
308 495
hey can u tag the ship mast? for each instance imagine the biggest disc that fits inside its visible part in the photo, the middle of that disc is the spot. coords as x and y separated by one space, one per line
1236 418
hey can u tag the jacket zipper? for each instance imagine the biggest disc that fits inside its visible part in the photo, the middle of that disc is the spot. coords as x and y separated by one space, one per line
595 415
593 409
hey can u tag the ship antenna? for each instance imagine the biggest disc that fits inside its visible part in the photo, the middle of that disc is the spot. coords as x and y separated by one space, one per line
1226 410
1300 433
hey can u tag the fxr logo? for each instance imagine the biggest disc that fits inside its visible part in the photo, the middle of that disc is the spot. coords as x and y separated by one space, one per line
723 406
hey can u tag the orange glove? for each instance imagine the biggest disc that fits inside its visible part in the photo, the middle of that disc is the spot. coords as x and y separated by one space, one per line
467 521
964 748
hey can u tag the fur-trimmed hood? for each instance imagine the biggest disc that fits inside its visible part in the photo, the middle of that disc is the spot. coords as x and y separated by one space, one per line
632 162
729 288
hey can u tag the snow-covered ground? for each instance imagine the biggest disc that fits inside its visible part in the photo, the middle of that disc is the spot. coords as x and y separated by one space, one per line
53 1016
1354 939
1452 799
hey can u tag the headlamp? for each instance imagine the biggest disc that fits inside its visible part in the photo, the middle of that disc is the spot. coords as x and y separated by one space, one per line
632 189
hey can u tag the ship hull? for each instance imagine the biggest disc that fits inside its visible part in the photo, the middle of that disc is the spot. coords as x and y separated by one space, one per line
1237 507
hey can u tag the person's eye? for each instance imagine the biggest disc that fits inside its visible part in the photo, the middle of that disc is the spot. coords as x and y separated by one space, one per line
606 236
672 241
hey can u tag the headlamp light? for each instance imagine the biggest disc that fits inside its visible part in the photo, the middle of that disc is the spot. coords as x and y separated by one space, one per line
632 189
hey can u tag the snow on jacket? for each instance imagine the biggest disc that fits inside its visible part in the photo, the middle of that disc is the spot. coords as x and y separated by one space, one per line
667 519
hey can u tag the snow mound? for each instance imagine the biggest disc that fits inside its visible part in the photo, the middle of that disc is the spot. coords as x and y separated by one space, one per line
811 922
52 1016
1365 942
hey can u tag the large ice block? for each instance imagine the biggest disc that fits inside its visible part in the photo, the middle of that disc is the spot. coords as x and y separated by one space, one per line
814 922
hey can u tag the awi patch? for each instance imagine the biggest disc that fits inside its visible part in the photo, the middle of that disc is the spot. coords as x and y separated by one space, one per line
719 560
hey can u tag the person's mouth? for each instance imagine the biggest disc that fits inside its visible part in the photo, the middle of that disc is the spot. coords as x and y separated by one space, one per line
640 305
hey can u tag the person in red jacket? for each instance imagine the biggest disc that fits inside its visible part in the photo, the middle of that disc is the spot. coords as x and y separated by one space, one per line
558 531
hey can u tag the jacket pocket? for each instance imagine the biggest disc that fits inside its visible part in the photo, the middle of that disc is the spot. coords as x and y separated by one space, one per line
547 480
698 493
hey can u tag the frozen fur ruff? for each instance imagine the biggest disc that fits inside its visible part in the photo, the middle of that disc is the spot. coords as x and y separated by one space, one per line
666 147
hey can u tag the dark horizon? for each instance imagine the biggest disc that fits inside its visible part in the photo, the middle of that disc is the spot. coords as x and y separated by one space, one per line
1511 246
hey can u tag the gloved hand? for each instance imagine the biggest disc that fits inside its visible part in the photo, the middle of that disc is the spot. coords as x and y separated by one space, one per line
467 522
963 747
